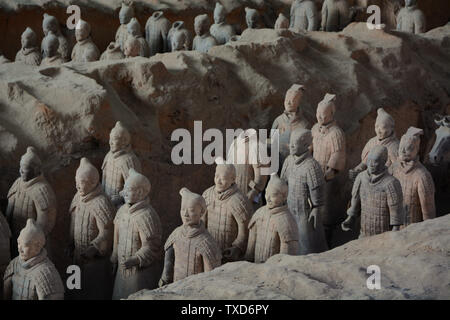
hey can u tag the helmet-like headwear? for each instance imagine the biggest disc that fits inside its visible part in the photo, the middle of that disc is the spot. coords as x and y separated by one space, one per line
228 167
83 25
127 9
278 184
379 152
30 34
328 103
31 158
187 195
385 118
137 180
134 28
87 170
302 134
412 136
202 20
120 131
32 233
49 21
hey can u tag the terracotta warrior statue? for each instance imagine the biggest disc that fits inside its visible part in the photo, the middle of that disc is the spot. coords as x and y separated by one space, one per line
178 41
118 162
335 15
31 196
251 18
91 232
29 53
125 14
411 18
329 151
190 248
220 30
85 49
31 275
282 22
50 45
376 196
305 200
228 214
156 31
273 228
132 48
203 40
51 24
179 27
417 183
134 30
244 154
304 16
112 52
385 136
5 254
137 249
291 118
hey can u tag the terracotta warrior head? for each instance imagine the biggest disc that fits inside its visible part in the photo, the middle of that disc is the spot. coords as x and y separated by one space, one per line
293 98
136 188
119 138
82 30
282 22
50 45
376 160
410 144
326 109
50 23
31 240
384 125
87 177
134 28
126 13
276 192
225 175
251 17
219 13
29 39
30 165
410 3
300 141
201 24
132 47
193 207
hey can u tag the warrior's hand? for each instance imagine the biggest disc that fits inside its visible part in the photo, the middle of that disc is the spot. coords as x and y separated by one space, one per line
313 216
130 262
232 253
347 224
89 253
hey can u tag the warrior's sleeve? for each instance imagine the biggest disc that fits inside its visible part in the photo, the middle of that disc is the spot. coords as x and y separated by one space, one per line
165 27
275 124
419 22
48 283
399 19
288 233
337 157
11 199
355 208
131 161
7 279
324 15
366 150
114 257
426 192
395 202
242 211
72 211
313 19
150 234
211 254
207 196
285 170
104 215
45 203
315 181
252 230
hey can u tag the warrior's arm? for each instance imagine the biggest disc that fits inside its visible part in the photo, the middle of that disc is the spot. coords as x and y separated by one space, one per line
324 15
241 239
419 24
395 203
114 257
46 218
289 247
105 233
151 246
7 287
169 264
426 192
313 20
355 207
250 253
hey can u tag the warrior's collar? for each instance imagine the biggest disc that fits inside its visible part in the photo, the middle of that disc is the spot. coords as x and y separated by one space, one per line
227 193
29 183
323 129
91 195
193 231
27 51
30 263
375 178
137 206
407 166
301 158
85 41
278 209
54 58
125 150
387 139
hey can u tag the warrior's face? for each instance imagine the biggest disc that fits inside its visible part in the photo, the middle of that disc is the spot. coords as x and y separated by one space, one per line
28 171
85 184
50 25
131 48
133 194
191 212
324 115
274 198
201 27
292 100
375 163
223 178
407 150
27 249
81 33
299 144
219 16
117 143
27 41
383 130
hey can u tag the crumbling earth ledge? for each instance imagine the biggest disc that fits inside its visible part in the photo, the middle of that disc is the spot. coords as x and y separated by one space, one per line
414 264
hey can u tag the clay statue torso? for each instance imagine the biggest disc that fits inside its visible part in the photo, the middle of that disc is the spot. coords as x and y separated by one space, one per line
304 16
35 279
5 236
381 202
63 49
113 52
222 32
273 228
335 15
418 191
391 143
329 146
195 249
122 35
156 31
30 56
31 199
85 51
411 20
224 210
204 43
